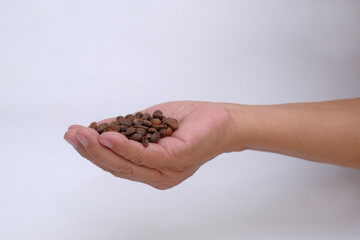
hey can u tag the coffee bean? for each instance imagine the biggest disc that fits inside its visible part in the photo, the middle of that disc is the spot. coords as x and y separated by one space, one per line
140 127
114 123
139 114
165 132
101 127
155 137
146 116
129 116
124 121
113 128
158 127
123 128
136 137
158 114
172 122
156 121
93 125
146 123
148 135
145 141
152 130
136 121
130 131
141 131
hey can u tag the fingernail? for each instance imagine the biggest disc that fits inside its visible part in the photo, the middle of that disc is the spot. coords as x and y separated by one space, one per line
106 142
73 143
83 140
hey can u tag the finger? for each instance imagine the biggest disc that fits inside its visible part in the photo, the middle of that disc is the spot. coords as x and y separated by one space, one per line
75 126
152 156
70 137
122 167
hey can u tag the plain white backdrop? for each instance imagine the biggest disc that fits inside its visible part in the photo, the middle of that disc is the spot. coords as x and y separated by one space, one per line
66 62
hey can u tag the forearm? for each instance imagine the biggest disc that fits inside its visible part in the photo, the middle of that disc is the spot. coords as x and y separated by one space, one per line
323 131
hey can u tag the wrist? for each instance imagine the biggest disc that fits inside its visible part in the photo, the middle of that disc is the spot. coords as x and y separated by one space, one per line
240 126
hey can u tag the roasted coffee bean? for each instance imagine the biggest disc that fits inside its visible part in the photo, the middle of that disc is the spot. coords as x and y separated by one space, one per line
101 127
113 123
146 116
172 122
112 128
141 131
146 123
123 121
165 132
136 121
130 131
140 127
155 137
152 130
129 116
139 114
158 114
156 121
145 141
158 127
123 128
136 137
93 125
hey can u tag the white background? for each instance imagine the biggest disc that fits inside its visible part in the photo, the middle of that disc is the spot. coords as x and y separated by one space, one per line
65 62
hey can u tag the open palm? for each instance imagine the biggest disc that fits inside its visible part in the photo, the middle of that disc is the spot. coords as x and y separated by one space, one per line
203 134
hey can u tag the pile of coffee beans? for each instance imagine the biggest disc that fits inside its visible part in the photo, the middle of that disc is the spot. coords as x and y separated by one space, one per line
140 127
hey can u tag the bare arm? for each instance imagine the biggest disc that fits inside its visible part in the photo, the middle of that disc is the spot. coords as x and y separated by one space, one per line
320 131
324 132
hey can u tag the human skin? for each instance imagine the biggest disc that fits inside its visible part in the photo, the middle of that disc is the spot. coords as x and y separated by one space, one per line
327 132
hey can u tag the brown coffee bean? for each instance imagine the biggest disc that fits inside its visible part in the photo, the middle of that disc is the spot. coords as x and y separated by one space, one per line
146 123
113 123
139 114
152 130
136 137
129 116
123 121
130 131
158 127
141 126
145 141
123 128
101 127
136 121
148 135
141 131
93 125
156 121
172 122
158 114
146 116
112 128
165 132
155 137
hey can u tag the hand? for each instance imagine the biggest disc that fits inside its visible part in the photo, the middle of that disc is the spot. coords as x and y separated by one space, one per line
203 134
